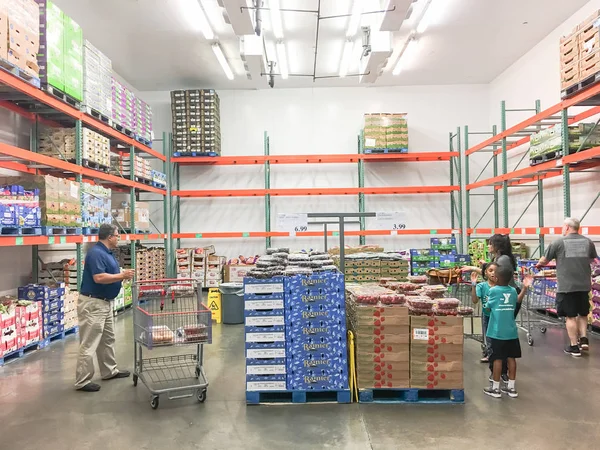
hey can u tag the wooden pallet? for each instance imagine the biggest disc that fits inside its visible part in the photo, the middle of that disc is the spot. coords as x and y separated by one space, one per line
98 115
61 231
20 353
20 231
581 85
122 129
539 159
291 397
58 336
411 395
55 92
19 73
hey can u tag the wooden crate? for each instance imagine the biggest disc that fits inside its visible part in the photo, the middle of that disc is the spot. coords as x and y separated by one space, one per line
569 44
589 71
569 75
588 24
589 45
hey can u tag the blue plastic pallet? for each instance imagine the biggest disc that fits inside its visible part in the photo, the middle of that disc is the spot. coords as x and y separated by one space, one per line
21 231
196 154
58 336
19 353
90 231
386 150
159 185
19 73
391 395
144 141
61 231
258 397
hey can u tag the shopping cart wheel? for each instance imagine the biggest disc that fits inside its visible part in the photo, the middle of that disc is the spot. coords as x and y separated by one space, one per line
135 379
154 402
529 339
543 330
202 396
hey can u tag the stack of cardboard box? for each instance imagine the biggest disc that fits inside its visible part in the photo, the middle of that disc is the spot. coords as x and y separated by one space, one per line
580 52
123 102
214 270
384 131
64 271
362 269
436 352
198 263
96 148
235 273
19 207
8 328
96 206
141 217
121 165
28 324
52 298
196 121
150 264
73 62
142 120
97 84
60 143
183 262
71 302
394 268
20 34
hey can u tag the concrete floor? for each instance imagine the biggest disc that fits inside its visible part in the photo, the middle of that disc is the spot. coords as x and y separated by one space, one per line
557 407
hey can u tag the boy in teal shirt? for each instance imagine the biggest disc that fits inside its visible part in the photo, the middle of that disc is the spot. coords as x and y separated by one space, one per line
502 332
479 292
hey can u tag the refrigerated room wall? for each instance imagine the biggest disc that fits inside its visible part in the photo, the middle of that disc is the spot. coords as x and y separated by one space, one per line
322 121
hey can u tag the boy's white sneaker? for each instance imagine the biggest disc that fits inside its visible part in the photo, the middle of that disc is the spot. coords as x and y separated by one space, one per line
492 392
512 393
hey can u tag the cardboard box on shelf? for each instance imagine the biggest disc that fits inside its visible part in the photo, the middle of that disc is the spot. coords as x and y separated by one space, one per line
236 273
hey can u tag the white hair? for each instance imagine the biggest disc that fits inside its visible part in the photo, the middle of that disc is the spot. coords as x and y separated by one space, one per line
573 223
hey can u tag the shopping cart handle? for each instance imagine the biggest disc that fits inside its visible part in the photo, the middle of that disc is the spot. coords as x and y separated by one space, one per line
165 279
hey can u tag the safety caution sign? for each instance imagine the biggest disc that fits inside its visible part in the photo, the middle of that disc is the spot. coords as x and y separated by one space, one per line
214 304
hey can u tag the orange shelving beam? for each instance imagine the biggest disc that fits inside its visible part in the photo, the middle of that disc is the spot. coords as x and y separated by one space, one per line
263 234
533 231
27 155
529 173
12 241
41 96
314 159
315 191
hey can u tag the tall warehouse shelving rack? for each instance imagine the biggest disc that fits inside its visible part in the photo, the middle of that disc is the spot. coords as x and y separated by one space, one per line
503 179
42 109
360 158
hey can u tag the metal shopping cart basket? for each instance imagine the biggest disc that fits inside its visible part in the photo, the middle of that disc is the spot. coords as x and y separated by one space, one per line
540 307
168 318
472 323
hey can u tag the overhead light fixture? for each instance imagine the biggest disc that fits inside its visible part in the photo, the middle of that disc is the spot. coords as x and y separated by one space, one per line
195 16
282 60
377 49
276 19
346 56
396 12
239 14
357 9
222 60
427 17
407 55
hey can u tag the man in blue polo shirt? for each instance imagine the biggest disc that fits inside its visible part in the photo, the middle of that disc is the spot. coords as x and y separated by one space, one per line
100 285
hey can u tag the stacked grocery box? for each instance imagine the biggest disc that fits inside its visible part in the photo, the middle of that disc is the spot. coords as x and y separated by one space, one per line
150 264
214 270
395 268
362 268
8 328
52 32
96 206
121 165
20 34
158 178
73 58
64 271
96 148
60 143
97 80
580 53
70 306
28 324
548 143
421 260
123 101
142 120
196 121
265 335
19 207
436 352
141 217
52 300
381 326
315 330
183 263
386 132
124 298
198 264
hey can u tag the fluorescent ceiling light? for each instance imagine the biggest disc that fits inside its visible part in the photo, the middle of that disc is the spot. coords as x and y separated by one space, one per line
222 60
406 56
276 19
357 9
282 60
196 18
430 12
346 56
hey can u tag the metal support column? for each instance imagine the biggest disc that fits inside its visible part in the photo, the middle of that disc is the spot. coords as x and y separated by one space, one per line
267 195
168 242
457 162
178 203
566 167
78 178
452 205
467 192
361 184
33 145
496 204
540 196
504 167
132 199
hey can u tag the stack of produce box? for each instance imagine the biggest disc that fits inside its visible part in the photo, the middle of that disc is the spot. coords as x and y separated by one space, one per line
362 268
265 335
380 322
386 132
214 271
20 34
316 332
97 84
19 207
123 104
478 250
96 206
141 217
547 144
59 200
150 264
96 148
183 263
64 271
198 264
158 178
125 297
52 300
196 122
73 62
121 165
28 323
436 352
395 268
421 260
60 143
8 327
70 306
142 121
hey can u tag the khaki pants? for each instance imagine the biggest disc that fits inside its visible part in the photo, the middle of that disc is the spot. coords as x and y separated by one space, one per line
96 336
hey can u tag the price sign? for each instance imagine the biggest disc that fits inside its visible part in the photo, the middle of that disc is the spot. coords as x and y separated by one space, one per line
292 223
393 221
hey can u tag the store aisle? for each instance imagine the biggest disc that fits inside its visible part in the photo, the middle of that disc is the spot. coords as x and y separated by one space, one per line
39 408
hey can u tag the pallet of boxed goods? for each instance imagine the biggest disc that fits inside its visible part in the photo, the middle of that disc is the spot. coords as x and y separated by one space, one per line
547 145
385 133
20 328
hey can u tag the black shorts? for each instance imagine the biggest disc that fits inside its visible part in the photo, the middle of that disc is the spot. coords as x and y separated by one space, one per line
505 349
573 304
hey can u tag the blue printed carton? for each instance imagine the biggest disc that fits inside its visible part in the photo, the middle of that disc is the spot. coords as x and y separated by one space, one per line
266 367
8 216
38 292
324 343
252 305
318 379
323 283
263 289
317 360
53 329
266 383
262 350
280 377
299 313
53 317
265 335
52 305
316 328
270 319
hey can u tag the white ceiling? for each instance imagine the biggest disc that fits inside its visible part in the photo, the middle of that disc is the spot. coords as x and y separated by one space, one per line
156 46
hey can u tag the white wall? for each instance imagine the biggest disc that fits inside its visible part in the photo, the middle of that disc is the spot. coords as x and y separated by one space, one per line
536 75
318 121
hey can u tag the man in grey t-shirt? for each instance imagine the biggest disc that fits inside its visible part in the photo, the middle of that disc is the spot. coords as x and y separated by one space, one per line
573 254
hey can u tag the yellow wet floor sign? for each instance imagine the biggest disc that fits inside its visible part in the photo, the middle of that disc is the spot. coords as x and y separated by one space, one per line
214 304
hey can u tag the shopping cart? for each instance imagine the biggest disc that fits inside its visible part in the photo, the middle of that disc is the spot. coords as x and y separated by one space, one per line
472 323
540 307
167 315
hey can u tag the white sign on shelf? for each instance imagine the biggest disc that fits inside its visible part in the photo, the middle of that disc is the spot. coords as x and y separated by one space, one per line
393 221
292 223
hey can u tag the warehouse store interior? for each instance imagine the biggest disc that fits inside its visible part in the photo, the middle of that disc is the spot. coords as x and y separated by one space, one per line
354 224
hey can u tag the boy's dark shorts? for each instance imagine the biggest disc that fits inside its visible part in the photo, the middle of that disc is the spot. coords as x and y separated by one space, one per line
505 349
573 304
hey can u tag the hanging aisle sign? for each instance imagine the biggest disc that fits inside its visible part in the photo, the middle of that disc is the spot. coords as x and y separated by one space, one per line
292 223
393 221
